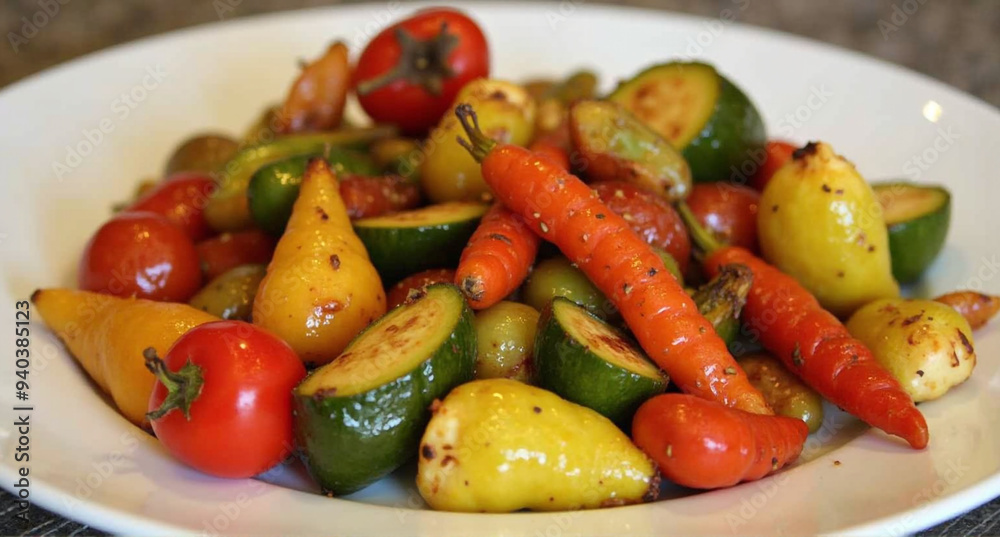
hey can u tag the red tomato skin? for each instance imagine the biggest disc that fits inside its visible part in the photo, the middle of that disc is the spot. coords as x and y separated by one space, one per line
729 211
181 199
397 294
778 153
140 254
650 216
410 106
241 422
230 250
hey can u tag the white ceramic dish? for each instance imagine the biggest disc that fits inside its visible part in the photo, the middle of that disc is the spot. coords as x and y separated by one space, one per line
89 464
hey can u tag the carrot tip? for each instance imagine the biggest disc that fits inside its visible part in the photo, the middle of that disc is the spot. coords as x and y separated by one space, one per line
473 288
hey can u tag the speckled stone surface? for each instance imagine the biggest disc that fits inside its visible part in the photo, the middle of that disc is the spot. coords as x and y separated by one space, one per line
954 41
957 42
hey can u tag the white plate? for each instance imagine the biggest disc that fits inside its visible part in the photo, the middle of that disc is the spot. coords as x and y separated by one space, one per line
89 464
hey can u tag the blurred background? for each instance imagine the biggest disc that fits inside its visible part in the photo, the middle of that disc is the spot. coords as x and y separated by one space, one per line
954 41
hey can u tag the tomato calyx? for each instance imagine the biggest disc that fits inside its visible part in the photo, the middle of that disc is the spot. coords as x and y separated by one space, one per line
421 62
183 386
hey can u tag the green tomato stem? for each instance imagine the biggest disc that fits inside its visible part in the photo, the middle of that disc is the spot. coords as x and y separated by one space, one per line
424 63
183 386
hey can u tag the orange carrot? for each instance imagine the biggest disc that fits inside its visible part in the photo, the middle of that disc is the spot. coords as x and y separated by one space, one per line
977 308
814 345
497 258
562 209
550 150
674 430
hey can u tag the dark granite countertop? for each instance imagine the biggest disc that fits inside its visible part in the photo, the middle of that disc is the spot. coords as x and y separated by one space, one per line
957 42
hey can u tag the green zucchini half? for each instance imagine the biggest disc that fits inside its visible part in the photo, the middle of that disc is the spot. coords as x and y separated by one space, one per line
362 415
584 360
700 112
917 217
408 242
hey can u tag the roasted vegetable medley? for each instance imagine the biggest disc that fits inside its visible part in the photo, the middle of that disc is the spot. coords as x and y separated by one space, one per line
550 296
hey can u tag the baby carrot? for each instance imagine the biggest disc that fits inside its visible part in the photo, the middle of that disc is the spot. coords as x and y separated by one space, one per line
817 347
673 429
562 209
813 344
497 258
554 152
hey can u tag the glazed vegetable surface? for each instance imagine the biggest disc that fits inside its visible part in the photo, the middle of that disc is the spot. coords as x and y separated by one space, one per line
411 269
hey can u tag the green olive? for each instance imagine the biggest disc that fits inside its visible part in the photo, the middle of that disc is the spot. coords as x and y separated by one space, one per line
505 335
556 276
230 295
202 153
786 394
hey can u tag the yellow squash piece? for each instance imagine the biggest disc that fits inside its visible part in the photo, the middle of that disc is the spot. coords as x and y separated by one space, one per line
320 289
820 223
506 113
499 445
926 345
107 334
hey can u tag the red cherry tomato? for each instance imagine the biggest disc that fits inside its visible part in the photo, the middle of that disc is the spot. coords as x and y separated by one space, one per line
230 250
778 153
181 198
398 293
729 211
410 72
238 423
141 254
650 216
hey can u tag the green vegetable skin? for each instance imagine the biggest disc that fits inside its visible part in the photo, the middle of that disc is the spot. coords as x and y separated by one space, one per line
362 415
586 361
699 111
274 188
555 277
227 209
721 300
408 242
917 217
230 295
202 153
505 336
670 263
786 394
615 145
